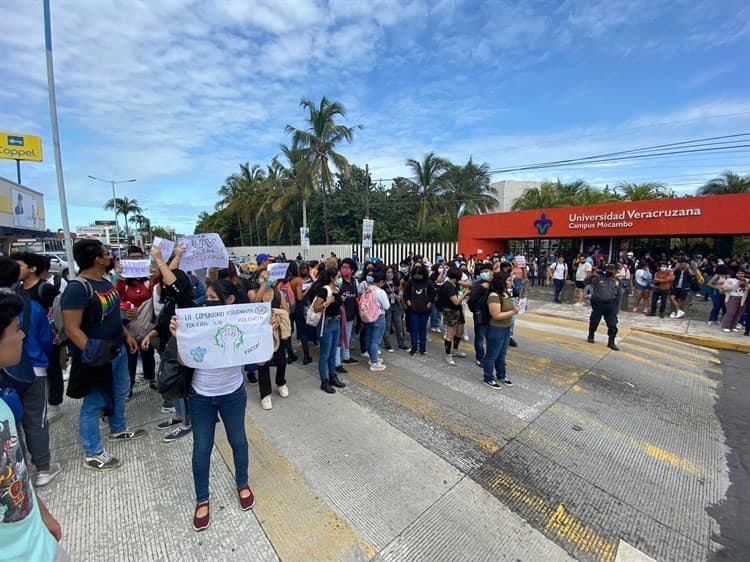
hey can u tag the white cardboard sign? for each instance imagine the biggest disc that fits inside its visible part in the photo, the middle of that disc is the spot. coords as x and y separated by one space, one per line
203 251
166 247
133 269
277 271
224 336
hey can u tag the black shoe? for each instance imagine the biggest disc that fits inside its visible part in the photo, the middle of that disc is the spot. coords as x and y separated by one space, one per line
413 351
152 385
325 386
512 343
252 379
336 381
349 361
341 370
611 344
423 352
307 360
403 347
506 382
590 339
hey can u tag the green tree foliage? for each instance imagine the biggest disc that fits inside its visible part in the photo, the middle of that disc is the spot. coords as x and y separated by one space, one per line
727 183
125 207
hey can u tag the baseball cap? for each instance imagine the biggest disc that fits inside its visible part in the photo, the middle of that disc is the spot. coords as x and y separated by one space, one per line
260 258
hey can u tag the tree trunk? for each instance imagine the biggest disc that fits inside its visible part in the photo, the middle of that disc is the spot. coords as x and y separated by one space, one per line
239 225
325 217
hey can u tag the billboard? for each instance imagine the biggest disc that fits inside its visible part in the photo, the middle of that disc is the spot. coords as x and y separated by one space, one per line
27 209
17 146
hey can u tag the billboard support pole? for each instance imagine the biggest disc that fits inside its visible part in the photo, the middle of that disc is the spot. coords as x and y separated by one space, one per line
18 170
56 135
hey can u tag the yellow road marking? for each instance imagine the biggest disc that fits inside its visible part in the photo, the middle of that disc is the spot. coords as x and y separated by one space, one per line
648 448
298 524
425 407
668 344
558 522
647 361
674 356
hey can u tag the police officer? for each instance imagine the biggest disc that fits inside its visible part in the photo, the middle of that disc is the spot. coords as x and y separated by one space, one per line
605 293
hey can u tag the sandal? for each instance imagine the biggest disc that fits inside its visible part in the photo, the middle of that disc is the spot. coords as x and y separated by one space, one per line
201 523
247 502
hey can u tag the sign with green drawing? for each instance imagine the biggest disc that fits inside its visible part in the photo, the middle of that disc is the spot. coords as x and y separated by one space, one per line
223 336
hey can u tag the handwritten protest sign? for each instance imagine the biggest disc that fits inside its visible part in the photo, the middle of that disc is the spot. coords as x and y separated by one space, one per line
203 250
224 336
521 261
132 269
523 305
277 271
166 246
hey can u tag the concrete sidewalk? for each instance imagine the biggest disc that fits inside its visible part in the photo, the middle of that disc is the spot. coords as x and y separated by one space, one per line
692 328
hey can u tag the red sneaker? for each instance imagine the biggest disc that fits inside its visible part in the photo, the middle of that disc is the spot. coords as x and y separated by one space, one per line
247 502
201 523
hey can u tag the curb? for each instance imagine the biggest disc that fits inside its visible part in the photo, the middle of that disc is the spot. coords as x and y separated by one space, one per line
704 341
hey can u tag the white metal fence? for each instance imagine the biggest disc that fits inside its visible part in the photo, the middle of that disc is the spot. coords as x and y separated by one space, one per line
388 253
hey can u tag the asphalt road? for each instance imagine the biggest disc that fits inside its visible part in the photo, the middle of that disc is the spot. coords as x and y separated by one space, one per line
590 455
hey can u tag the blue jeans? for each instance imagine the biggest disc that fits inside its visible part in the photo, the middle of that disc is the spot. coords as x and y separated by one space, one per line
97 400
436 317
418 329
182 410
497 347
375 331
344 351
717 299
329 343
480 334
203 411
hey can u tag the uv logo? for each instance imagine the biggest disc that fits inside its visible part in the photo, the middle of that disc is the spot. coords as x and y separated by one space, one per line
15 141
542 224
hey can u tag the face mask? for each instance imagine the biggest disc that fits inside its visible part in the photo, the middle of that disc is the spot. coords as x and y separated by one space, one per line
404 270
369 279
339 281
213 303
346 271
662 269
484 276
389 276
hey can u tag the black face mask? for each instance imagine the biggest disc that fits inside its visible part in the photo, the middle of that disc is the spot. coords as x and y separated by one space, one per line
610 273
213 303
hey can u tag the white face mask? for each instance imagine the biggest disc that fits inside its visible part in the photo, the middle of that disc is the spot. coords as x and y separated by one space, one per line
662 269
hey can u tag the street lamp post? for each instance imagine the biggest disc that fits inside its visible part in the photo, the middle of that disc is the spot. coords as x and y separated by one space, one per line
114 201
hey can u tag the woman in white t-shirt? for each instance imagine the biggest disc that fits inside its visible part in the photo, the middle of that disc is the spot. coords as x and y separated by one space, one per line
559 273
217 392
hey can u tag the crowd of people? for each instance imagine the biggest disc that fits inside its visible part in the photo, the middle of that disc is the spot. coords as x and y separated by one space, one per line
104 325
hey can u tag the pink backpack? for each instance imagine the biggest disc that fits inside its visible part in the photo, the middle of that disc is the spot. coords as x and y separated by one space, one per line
369 311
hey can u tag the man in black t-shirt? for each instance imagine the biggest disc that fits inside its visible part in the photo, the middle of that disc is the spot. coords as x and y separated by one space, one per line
99 373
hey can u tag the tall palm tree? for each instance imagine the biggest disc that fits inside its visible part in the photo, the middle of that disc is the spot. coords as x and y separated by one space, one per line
428 184
469 187
727 183
124 206
142 224
541 197
642 191
319 141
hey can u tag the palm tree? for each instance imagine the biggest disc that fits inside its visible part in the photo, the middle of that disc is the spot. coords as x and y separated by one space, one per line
727 183
428 185
318 142
541 197
124 206
642 191
142 225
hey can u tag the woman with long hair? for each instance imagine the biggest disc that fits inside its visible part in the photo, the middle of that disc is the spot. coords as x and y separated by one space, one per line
502 309
419 294
327 301
214 392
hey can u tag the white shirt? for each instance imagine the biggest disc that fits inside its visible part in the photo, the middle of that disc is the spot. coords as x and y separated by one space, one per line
217 382
381 298
559 270
583 270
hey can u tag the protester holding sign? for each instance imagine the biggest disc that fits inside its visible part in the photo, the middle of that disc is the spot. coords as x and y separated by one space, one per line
216 391
328 303
134 293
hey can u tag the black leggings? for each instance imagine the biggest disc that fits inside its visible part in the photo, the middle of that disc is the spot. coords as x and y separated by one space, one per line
264 371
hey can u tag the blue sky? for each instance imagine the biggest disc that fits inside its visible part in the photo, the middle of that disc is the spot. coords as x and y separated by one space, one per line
177 93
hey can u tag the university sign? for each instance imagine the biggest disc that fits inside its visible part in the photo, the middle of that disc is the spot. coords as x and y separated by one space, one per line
16 146
711 215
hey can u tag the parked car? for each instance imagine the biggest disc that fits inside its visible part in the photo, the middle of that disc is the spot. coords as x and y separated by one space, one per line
59 265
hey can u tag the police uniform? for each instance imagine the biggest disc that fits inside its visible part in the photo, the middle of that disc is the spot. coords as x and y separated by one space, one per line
605 294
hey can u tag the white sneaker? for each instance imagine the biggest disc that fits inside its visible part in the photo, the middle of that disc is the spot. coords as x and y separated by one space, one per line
680 313
466 337
365 354
265 403
283 391
379 366
726 330
53 413
449 360
44 477
457 353
673 315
